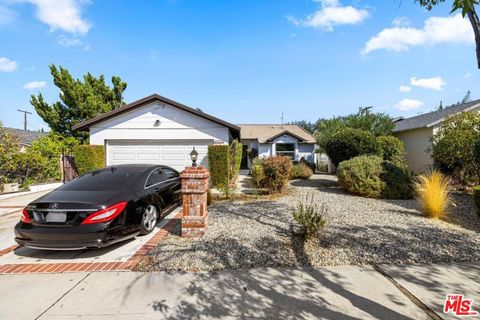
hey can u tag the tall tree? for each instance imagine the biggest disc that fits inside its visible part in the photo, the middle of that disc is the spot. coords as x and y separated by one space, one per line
79 101
440 106
468 9
307 125
377 124
467 97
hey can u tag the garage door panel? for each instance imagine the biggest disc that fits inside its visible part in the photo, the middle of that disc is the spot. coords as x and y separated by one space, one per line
172 153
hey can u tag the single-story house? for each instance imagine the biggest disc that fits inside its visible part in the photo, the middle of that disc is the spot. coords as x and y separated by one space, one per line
266 140
417 133
25 137
156 129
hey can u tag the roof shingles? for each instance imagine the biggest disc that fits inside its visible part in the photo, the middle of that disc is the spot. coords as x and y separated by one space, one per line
25 137
429 119
264 133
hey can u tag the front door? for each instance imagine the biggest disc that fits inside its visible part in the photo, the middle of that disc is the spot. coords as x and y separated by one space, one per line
244 164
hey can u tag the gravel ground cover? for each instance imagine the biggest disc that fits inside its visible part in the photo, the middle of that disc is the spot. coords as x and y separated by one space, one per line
358 231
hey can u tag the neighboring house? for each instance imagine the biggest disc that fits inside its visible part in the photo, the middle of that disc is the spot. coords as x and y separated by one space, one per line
417 133
25 137
269 140
157 130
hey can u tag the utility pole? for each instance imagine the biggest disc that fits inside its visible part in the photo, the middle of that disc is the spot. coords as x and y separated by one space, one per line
24 118
282 119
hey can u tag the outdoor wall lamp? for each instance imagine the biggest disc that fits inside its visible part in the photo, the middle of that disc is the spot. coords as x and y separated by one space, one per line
157 123
194 156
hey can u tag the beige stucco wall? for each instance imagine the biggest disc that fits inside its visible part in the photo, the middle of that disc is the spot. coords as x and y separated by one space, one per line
417 146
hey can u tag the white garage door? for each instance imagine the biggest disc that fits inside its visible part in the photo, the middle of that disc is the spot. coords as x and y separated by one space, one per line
173 153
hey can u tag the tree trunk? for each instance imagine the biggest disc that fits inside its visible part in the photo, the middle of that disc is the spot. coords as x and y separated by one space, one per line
475 22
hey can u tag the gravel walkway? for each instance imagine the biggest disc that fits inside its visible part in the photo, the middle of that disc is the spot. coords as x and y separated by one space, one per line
358 231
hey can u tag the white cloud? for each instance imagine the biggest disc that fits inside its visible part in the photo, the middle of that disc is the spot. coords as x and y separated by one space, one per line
7 65
435 83
468 75
408 104
404 88
436 30
72 42
401 22
7 15
65 15
34 85
331 14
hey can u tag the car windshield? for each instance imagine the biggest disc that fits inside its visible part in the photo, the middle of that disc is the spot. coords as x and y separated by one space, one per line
103 180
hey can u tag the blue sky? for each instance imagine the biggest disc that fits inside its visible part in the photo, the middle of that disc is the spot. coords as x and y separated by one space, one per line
245 61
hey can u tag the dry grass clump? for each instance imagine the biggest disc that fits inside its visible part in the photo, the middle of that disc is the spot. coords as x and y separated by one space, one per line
433 193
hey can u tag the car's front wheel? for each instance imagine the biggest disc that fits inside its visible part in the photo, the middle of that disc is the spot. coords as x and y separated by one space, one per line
149 219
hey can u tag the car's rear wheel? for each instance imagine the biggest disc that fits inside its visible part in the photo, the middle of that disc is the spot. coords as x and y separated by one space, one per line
149 219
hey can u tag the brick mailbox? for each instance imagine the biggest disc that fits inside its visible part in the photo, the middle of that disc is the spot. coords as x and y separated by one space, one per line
194 190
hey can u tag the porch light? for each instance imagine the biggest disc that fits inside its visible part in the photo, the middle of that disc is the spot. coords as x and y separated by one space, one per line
194 156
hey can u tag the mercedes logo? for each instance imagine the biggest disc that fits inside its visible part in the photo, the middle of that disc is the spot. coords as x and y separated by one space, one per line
54 205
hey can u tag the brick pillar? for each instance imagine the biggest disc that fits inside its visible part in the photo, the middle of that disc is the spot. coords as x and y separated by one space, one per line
194 190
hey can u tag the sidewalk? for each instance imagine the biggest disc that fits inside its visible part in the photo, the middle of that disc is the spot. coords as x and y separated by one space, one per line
349 292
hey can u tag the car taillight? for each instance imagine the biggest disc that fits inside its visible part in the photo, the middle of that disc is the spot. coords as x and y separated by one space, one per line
25 218
106 215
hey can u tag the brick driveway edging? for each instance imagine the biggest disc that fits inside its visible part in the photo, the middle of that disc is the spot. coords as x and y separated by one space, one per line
128 265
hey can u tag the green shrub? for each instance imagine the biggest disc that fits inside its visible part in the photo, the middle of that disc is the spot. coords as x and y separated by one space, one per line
219 165
371 176
454 147
50 147
349 143
277 171
309 216
301 171
236 149
476 196
257 175
88 158
256 161
29 168
393 150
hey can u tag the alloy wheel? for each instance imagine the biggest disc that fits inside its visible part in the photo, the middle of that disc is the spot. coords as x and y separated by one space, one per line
150 217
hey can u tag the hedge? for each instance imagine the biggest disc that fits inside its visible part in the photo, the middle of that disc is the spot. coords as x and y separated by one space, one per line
349 143
476 196
219 165
236 149
88 158
393 150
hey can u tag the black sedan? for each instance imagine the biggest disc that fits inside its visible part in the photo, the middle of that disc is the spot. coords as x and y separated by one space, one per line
100 208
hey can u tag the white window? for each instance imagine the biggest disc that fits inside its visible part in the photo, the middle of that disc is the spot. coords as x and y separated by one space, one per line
286 149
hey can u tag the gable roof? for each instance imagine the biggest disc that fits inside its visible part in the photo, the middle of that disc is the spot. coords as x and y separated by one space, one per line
25 138
152 98
265 133
432 118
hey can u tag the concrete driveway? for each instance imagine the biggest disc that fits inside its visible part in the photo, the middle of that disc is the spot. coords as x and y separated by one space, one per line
22 259
10 211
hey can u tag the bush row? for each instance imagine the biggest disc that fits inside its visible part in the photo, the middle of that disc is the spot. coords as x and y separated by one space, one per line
88 158
224 164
